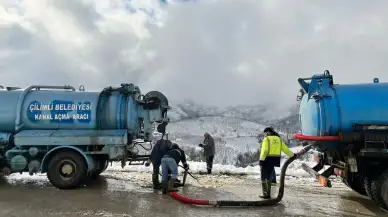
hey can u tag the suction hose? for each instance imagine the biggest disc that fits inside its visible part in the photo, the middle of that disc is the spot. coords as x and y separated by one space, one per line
266 202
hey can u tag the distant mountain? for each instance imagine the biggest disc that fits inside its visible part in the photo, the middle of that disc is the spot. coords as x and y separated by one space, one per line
283 119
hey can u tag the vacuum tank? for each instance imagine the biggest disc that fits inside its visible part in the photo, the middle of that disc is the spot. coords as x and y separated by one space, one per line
61 107
327 109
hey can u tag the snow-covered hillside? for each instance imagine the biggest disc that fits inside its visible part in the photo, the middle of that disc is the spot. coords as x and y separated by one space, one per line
232 135
226 127
283 118
236 130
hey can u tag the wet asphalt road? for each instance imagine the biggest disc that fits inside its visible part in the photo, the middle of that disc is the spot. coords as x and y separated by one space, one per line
113 196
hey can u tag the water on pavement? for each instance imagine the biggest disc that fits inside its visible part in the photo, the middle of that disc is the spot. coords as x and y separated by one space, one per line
118 194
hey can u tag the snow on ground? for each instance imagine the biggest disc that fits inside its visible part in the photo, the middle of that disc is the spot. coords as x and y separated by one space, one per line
142 173
294 169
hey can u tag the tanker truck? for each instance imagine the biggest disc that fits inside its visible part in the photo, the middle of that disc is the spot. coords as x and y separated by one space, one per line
72 135
348 124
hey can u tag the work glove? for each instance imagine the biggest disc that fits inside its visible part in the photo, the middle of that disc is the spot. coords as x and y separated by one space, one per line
185 166
148 163
261 163
200 145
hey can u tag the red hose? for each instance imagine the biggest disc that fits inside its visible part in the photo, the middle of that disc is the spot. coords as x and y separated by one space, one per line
316 138
190 200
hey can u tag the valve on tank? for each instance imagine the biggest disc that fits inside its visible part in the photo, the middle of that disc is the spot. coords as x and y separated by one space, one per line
376 80
81 88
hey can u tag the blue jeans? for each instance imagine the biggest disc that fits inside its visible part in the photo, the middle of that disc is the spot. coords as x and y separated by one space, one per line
169 164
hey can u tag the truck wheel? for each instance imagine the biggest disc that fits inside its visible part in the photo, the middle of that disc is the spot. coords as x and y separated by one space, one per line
379 189
356 184
384 189
66 170
368 190
103 165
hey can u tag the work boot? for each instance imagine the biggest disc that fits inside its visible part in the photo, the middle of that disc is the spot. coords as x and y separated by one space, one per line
269 189
170 187
265 187
178 183
155 181
164 187
273 182
209 171
202 172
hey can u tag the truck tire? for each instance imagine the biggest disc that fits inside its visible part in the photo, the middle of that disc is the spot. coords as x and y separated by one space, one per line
356 184
379 189
103 165
67 170
384 189
368 190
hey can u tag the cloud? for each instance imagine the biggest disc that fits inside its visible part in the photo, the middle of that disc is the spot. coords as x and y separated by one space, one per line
221 52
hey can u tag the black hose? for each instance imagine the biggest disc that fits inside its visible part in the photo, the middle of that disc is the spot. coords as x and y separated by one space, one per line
267 202
195 178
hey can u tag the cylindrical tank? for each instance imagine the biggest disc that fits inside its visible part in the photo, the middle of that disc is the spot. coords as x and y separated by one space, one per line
326 109
35 108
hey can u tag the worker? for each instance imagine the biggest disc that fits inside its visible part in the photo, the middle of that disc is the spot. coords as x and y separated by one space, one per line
158 151
273 174
170 162
270 154
209 151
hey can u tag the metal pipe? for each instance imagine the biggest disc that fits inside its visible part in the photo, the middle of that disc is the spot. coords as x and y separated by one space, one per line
14 150
317 138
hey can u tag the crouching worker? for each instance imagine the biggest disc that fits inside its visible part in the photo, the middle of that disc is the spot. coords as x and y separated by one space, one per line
270 154
158 151
170 162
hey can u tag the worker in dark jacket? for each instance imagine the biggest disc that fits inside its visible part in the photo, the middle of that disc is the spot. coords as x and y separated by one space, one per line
170 162
270 154
158 151
209 151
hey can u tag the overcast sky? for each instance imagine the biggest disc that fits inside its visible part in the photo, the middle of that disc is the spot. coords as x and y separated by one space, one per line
221 52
